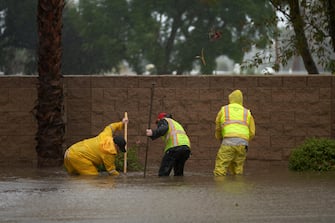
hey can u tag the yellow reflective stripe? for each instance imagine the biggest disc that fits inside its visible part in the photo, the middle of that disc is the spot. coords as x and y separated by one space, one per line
228 121
226 109
234 122
245 115
173 133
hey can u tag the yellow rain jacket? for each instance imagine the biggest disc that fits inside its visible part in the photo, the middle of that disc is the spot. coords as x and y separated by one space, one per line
83 157
234 120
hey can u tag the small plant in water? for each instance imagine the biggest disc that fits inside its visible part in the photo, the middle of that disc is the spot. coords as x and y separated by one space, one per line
133 163
316 154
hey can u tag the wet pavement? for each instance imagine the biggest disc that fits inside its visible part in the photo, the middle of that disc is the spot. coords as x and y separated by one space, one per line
266 193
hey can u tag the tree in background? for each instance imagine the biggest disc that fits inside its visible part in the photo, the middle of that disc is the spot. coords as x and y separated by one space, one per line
330 11
73 59
170 34
100 35
18 36
313 34
94 36
301 43
49 108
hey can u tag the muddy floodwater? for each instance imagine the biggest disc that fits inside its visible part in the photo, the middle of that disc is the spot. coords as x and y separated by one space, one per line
266 193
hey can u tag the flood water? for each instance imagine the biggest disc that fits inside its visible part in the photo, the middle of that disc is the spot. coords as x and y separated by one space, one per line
266 193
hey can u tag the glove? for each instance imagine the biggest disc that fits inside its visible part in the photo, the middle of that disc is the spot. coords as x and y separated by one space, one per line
114 173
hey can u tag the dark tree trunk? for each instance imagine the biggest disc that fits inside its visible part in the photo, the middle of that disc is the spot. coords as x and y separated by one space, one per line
301 41
49 108
170 43
330 4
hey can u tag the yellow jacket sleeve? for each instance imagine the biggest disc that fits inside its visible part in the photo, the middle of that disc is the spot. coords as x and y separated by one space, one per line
218 134
110 129
109 163
116 126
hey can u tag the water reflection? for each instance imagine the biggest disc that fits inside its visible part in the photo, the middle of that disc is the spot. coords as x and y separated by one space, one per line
233 184
93 181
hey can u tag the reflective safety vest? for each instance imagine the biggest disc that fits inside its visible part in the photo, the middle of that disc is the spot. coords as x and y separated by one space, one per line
175 136
235 121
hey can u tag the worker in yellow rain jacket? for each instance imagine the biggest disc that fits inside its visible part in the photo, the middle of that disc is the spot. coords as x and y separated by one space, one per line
235 127
86 156
177 144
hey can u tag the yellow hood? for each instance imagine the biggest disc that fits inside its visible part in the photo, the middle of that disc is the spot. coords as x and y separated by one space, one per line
236 97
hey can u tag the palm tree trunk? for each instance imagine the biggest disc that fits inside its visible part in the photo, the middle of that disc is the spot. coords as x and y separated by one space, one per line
49 108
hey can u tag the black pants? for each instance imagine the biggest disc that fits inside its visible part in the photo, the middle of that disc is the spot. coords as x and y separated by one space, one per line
174 158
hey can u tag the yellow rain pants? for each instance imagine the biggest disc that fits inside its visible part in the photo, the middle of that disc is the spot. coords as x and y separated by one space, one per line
230 158
76 164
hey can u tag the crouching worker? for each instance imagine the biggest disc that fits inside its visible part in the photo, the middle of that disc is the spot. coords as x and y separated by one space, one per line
177 144
84 157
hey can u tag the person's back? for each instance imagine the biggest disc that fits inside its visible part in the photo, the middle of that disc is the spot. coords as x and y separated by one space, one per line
235 127
176 135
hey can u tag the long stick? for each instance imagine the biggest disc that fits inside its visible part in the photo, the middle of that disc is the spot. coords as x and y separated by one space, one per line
125 138
149 124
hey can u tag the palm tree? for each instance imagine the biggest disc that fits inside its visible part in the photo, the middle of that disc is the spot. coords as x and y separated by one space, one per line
49 107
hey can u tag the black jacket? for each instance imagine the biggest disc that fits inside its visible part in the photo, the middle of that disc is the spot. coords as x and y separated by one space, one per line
162 128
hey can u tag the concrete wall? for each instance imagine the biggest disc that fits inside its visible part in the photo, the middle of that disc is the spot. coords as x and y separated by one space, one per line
287 109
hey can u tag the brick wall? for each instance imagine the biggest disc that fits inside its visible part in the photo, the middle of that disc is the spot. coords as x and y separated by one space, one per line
287 109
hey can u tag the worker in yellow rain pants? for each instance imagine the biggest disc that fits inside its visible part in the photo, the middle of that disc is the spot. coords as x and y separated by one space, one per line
84 157
235 127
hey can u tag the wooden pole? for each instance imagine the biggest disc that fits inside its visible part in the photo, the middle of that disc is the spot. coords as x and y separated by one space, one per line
125 138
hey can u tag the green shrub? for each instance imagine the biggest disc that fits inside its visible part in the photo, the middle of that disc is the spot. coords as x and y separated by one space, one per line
133 163
316 154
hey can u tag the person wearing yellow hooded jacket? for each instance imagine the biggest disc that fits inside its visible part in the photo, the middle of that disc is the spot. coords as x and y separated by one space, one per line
177 144
235 127
86 156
